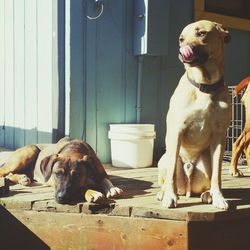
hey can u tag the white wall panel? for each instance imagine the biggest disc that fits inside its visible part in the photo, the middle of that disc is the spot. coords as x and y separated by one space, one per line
44 68
9 74
30 71
19 72
2 69
25 72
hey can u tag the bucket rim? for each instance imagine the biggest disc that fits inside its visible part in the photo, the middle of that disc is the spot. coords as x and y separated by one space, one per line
132 124
127 128
131 136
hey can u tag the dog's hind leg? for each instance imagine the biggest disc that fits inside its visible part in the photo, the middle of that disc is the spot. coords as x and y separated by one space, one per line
22 179
238 147
247 154
202 176
21 161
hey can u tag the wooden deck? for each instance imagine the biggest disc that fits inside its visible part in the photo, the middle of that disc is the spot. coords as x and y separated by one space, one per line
137 220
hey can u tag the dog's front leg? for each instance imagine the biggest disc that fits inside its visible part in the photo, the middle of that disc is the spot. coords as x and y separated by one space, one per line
217 150
109 189
173 143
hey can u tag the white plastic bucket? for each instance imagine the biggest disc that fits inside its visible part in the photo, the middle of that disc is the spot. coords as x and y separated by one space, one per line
132 145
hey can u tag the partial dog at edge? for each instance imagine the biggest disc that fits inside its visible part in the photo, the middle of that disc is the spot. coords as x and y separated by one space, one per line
71 166
242 144
197 120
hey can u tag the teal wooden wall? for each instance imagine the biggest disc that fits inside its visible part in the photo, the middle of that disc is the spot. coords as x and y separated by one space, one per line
104 77
104 71
237 57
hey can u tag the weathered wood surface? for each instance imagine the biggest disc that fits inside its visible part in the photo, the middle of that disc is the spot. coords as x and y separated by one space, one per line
99 232
139 200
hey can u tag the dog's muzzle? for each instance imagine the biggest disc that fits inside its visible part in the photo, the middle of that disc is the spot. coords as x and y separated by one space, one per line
187 53
62 197
192 54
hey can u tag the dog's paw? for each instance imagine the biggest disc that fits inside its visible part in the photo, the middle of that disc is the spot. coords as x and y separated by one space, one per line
114 192
219 201
19 179
236 173
24 180
206 197
169 200
160 195
94 196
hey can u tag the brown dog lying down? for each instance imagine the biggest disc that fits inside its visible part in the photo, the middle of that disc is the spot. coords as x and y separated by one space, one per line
242 143
71 166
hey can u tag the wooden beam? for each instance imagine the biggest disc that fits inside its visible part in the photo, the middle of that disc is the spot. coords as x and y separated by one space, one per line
228 21
78 231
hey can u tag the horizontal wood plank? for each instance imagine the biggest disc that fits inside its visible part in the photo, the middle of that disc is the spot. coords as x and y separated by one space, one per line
139 198
78 231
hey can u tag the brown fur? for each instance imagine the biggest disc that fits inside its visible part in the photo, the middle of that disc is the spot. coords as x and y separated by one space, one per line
71 166
242 144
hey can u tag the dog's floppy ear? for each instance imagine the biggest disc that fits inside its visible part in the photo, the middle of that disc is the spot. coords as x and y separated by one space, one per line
46 166
223 31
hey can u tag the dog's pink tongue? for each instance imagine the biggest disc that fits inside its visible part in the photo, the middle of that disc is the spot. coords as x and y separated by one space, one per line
187 53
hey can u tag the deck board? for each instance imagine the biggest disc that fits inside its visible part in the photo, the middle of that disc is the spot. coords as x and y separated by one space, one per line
139 200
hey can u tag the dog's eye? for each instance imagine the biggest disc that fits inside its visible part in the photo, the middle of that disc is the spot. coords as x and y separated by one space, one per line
75 174
58 174
200 33
181 39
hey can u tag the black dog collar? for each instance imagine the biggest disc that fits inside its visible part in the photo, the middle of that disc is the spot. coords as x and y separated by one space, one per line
207 88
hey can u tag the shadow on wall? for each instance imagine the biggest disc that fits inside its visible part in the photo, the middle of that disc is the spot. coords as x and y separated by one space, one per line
12 137
15 235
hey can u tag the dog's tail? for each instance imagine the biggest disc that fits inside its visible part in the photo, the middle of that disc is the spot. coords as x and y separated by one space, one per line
243 84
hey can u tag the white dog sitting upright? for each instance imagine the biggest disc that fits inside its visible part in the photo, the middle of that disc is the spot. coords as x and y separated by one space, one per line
197 120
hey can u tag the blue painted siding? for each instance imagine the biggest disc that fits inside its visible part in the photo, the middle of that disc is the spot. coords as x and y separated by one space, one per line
237 57
103 88
104 71
161 74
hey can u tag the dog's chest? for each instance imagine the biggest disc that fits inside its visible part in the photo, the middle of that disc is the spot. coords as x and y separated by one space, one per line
201 119
196 126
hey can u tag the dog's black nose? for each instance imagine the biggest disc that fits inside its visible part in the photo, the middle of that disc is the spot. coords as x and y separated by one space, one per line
61 198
